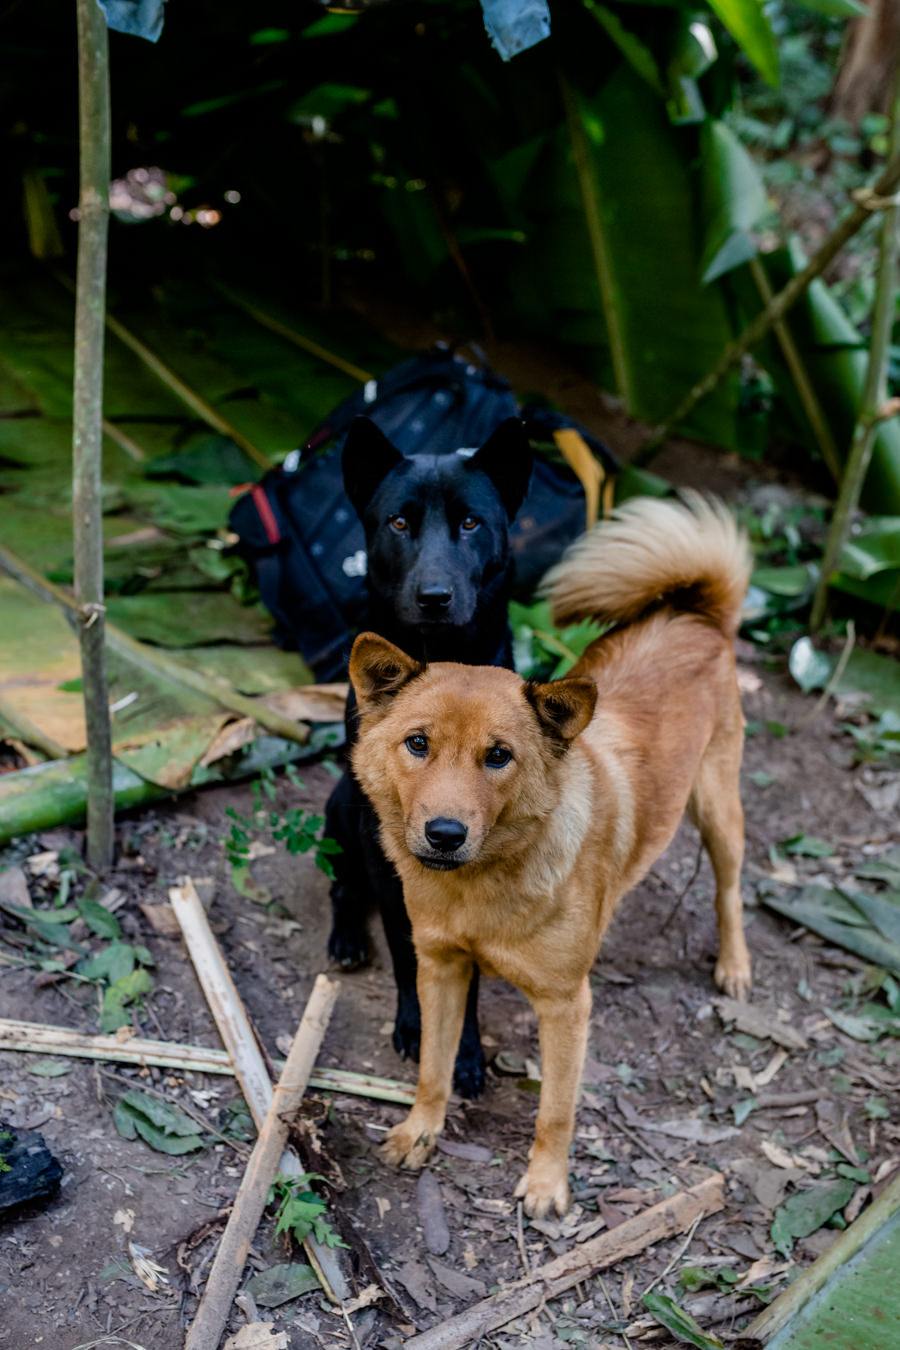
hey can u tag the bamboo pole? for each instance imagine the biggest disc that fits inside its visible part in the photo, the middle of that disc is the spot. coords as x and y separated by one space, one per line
674 1215
39 1038
221 1287
798 1294
87 413
151 659
872 408
867 201
800 375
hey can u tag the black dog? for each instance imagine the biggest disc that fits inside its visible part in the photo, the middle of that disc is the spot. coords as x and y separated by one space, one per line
439 580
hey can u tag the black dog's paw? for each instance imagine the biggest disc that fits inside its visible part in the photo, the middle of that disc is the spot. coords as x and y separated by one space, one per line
470 1073
348 945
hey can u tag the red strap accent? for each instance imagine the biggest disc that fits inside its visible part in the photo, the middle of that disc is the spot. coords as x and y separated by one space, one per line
266 514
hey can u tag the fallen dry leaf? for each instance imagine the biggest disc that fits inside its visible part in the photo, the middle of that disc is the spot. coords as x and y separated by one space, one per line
148 1272
755 1022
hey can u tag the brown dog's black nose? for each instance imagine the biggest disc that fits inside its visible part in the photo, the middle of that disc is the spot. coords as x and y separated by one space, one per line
445 834
434 597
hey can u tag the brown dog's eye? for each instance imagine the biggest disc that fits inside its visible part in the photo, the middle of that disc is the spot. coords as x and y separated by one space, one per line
470 523
498 757
417 744
399 523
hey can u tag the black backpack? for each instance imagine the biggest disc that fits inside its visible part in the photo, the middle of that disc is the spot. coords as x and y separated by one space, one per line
303 539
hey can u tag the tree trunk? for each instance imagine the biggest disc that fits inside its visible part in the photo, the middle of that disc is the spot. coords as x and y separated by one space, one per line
87 413
865 78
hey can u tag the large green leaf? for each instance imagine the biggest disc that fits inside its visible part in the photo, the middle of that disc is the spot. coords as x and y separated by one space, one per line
835 357
748 24
632 302
733 199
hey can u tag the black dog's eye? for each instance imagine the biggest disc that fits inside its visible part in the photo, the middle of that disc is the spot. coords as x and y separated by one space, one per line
469 523
399 523
417 744
498 757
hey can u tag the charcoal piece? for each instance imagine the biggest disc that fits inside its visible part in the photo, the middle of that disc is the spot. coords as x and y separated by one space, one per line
28 1170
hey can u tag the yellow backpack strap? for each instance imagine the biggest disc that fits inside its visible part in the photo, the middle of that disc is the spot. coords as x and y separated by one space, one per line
587 469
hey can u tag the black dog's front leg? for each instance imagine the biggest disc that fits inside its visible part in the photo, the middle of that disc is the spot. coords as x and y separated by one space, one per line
469 1074
346 816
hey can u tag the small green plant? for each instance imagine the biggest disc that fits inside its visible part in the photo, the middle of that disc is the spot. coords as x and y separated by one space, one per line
298 830
301 1211
4 1165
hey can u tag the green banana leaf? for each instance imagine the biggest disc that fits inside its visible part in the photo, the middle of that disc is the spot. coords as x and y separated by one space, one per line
835 356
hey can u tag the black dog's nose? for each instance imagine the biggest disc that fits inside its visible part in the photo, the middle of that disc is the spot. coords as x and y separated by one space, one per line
445 834
436 596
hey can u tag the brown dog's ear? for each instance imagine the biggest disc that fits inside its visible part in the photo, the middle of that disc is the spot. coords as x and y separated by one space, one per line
379 670
563 707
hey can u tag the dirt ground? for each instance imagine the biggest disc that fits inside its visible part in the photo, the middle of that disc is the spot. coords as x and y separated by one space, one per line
659 1052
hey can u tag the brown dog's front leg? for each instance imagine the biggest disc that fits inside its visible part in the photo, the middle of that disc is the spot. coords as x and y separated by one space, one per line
442 983
563 1025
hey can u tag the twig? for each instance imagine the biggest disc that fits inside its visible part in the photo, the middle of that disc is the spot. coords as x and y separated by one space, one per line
87 415
833 679
675 1259
691 879
224 1277
775 310
241 1149
671 1216
612 1308
874 392
642 1144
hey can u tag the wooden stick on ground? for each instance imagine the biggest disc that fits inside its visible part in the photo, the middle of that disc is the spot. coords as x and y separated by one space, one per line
240 1042
221 1287
675 1215
42 1039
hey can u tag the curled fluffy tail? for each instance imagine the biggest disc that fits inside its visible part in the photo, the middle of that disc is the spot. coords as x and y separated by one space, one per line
689 556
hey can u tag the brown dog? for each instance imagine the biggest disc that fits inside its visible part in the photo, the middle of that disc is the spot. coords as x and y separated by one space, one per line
518 814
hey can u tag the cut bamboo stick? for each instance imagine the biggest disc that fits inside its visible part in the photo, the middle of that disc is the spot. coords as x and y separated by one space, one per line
41 1039
798 1294
221 1287
237 1034
665 1220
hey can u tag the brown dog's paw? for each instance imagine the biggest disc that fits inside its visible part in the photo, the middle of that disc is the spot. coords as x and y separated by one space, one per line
407 1146
542 1189
733 978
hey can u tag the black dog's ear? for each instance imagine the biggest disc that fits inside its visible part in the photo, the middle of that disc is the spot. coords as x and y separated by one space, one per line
564 707
367 459
506 458
379 670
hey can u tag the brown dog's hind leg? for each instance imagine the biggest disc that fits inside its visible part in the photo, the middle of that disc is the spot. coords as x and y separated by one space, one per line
715 808
563 1025
443 984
